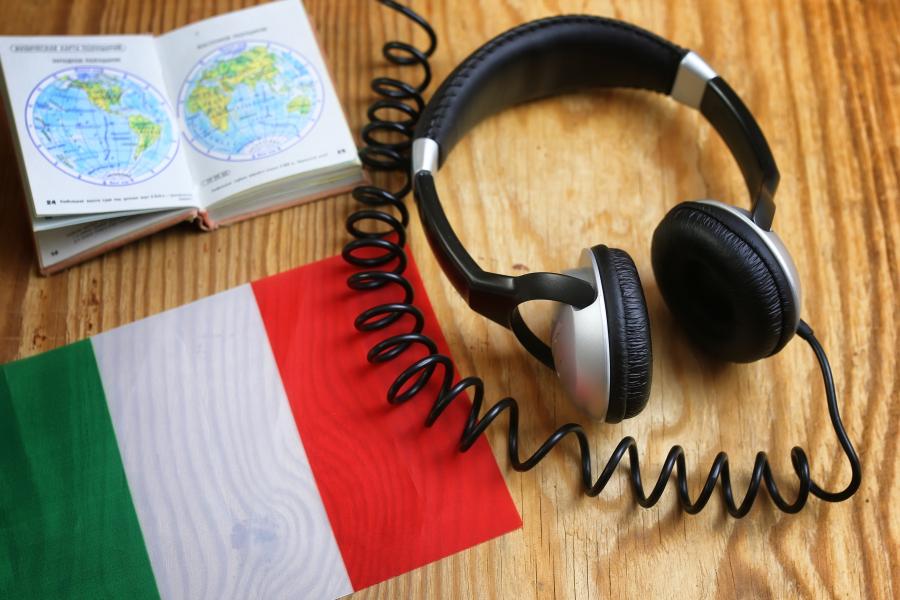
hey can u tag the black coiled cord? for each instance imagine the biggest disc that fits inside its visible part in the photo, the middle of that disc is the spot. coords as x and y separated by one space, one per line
374 251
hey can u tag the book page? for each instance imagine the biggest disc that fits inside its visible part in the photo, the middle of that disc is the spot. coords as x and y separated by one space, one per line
94 127
63 245
48 223
254 99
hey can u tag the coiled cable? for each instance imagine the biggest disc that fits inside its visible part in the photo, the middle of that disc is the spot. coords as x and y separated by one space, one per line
374 251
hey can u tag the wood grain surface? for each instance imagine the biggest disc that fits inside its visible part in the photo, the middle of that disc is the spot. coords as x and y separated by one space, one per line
527 190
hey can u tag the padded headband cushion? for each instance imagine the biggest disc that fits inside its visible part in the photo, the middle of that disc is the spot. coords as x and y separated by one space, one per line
630 351
722 283
545 58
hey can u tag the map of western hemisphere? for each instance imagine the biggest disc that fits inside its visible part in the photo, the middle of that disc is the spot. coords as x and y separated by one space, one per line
101 125
248 100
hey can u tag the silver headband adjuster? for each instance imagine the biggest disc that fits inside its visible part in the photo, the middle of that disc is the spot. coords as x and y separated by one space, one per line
425 153
690 82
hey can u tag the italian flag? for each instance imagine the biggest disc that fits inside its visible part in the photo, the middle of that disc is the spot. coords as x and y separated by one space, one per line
237 447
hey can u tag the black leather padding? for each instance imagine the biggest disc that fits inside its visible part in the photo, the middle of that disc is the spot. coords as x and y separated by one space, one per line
630 349
722 283
545 58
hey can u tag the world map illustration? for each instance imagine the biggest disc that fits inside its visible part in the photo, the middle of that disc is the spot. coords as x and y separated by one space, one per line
249 100
101 125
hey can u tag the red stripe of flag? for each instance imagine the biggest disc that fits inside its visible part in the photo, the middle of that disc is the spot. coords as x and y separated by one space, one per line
398 495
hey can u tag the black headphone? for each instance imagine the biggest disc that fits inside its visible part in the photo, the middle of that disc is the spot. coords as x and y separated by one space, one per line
725 275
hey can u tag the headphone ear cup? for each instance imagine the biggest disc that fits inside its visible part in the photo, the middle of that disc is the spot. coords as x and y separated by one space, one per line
630 348
723 283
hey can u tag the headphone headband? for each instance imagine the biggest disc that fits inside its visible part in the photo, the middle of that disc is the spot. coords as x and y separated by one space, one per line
549 57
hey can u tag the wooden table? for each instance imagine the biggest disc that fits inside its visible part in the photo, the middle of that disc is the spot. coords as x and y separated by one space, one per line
527 191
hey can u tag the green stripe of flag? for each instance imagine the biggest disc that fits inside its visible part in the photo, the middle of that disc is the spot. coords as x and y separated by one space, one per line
68 528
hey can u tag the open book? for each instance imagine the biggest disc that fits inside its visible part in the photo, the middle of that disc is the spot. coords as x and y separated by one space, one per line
120 136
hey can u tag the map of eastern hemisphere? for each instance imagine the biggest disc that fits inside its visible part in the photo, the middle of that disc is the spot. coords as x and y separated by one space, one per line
101 125
249 100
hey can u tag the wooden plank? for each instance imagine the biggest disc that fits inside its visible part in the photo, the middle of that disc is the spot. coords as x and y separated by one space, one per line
822 78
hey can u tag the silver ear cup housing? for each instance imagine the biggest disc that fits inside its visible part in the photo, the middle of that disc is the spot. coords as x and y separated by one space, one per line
579 339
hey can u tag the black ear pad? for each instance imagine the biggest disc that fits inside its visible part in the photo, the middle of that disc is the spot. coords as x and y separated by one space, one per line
722 283
630 351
